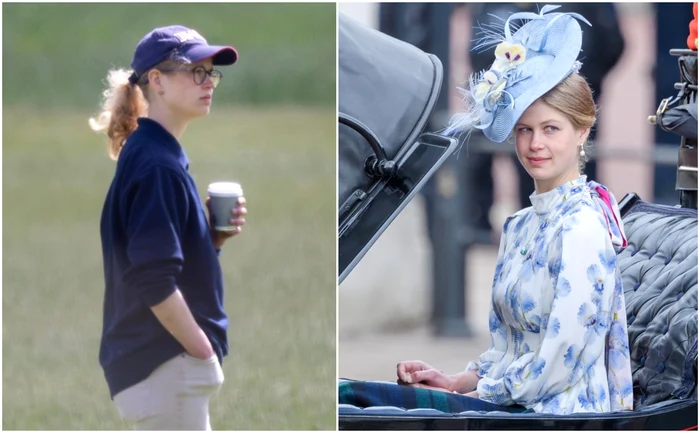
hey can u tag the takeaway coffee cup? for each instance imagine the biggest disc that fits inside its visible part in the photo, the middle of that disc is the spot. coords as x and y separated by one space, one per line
223 197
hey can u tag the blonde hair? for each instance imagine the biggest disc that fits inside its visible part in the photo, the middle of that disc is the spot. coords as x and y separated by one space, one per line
122 104
574 98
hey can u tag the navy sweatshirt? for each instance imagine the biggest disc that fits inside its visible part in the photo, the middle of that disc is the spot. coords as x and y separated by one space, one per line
155 238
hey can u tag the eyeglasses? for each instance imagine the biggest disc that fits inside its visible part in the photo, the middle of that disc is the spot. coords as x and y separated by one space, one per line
199 74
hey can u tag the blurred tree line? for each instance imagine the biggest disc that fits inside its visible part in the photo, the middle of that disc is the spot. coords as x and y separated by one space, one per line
58 55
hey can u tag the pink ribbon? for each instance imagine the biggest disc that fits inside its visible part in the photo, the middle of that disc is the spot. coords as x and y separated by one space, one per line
608 205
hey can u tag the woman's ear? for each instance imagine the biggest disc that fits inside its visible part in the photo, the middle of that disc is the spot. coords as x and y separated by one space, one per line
583 135
154 80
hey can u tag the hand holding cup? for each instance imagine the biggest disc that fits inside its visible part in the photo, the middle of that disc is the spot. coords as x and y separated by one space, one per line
227 211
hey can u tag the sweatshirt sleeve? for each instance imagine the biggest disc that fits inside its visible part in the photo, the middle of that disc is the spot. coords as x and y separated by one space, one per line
577 323
156 211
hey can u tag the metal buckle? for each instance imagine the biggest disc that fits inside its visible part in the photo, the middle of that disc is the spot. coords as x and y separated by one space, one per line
663 106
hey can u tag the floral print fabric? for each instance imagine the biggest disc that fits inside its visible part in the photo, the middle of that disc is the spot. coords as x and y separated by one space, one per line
558 325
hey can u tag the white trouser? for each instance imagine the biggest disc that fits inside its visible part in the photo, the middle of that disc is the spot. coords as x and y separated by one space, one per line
174 397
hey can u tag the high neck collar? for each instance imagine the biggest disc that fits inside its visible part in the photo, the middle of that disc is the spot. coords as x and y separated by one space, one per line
543 203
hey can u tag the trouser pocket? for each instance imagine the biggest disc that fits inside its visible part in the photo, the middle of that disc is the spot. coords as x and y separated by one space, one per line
174 397
203 374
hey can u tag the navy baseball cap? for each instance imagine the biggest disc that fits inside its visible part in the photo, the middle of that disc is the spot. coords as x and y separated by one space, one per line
180 44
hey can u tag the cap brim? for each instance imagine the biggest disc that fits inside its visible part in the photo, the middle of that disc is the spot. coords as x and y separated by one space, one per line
220 55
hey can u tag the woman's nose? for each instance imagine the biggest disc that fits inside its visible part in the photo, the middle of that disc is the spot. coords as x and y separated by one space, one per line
536 143
208 82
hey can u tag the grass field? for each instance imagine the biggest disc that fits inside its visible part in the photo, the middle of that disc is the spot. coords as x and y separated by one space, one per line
63 51
279 274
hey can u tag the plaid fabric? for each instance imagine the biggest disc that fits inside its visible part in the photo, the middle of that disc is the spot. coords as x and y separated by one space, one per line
368 394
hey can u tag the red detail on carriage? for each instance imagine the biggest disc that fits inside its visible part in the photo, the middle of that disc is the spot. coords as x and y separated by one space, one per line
693 27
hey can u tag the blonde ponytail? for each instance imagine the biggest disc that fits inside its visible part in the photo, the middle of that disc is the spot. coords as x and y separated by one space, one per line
122 104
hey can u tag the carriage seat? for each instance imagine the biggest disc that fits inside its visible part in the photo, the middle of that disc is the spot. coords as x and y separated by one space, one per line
659 271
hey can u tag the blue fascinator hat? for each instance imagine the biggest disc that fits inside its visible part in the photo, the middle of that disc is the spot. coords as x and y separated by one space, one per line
529 63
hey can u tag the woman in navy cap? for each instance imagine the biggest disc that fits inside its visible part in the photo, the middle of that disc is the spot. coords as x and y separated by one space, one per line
164 329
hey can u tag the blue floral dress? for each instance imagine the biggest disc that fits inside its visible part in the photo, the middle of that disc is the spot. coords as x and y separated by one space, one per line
558 325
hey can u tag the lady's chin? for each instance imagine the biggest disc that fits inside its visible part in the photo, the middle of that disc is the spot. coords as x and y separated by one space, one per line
201 112
538 173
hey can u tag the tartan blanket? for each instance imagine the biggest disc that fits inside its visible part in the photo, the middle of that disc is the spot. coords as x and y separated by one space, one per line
368 394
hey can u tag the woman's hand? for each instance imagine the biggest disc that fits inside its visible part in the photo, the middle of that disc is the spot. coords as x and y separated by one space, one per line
422 375
239 212
175 316
201 348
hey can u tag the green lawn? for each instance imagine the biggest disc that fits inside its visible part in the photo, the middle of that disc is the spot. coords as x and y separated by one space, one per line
279 274
62 51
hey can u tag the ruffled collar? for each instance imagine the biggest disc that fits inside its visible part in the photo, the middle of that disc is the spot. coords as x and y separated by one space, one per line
546 201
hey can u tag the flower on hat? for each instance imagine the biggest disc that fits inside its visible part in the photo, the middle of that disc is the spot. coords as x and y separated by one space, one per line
495 93
492 83
488 79
508 56
481 91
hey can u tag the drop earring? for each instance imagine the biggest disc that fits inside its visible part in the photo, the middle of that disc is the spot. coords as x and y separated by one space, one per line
583 152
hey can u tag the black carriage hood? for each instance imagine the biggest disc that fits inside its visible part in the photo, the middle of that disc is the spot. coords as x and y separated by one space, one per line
387 90
388 85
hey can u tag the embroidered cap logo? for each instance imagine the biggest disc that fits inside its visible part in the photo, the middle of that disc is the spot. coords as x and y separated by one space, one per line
188 35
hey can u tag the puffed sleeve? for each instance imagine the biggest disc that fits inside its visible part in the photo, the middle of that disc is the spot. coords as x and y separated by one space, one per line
583 282
498 345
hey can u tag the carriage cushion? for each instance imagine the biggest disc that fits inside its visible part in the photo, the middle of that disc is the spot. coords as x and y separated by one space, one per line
660 278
